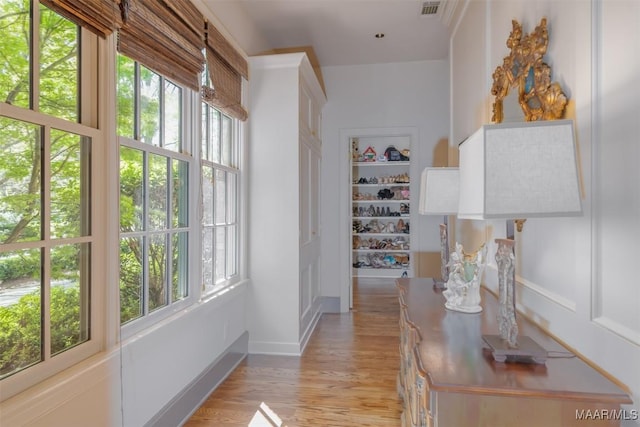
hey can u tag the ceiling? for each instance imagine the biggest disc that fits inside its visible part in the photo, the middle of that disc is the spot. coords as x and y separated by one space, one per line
343 32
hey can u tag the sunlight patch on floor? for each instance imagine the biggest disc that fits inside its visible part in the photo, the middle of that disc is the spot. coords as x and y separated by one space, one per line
265 417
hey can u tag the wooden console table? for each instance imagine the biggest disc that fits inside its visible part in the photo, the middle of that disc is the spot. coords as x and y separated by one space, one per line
448 377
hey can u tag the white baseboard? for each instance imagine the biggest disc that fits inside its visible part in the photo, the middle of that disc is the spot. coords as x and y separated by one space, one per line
184 404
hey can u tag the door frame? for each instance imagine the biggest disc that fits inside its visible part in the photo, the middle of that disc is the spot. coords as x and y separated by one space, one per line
346 291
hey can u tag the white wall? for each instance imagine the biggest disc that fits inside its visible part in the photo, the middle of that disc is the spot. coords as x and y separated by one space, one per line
159 364
398 95
129 385
576 275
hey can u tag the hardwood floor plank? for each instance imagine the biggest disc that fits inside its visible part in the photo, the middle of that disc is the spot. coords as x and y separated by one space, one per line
346 376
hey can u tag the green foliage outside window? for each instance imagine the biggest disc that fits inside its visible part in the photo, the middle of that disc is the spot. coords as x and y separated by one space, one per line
21 184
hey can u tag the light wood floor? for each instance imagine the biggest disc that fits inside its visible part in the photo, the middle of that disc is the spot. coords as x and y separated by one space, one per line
346 376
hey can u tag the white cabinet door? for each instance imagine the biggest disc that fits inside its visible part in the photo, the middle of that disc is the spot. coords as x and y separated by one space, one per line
310 230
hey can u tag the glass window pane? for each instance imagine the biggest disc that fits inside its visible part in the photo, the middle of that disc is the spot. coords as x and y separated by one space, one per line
205 132
126 96
232 251
69 296
21 176
20 312
131 278
149 107
207 258
157 271
180 266
14 44
232 197
207 195
214 135
69 185
226 141
59 73
131 189
220 197
172 117
180 197
158 192
220 255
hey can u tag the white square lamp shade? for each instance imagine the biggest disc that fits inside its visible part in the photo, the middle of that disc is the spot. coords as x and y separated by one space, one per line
519 170
439 196
439 191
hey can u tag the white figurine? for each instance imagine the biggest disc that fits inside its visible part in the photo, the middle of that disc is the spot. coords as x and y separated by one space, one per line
465 273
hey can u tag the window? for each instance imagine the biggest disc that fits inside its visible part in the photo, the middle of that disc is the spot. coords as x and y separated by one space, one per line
220 199
47 183
155 165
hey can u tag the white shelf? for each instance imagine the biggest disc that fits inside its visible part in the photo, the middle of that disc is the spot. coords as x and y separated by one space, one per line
393 184
382 234
382 201
390 251
375 273
381 217
354 164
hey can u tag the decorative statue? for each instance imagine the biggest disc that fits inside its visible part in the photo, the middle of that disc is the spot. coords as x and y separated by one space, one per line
465 273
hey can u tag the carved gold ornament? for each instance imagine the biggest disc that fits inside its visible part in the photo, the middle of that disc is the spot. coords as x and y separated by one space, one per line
524 70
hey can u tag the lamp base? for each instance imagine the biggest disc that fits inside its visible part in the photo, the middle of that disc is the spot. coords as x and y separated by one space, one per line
527 350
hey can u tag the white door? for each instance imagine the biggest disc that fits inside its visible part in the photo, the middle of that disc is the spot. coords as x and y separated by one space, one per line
310 231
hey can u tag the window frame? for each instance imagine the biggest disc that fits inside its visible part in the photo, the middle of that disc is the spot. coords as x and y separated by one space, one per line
234 167
90 49
188 141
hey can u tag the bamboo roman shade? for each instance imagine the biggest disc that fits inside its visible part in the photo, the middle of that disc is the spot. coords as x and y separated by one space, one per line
101 17
166 36
227 67
170 37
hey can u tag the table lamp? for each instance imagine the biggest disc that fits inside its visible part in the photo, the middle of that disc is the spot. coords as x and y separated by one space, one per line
516 171
439 196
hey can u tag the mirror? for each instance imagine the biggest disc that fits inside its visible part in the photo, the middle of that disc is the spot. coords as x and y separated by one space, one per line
524 72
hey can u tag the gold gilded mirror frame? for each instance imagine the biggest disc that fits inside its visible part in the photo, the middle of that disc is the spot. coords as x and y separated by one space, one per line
524 71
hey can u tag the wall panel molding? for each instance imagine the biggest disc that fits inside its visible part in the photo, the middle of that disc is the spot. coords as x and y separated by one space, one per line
618 329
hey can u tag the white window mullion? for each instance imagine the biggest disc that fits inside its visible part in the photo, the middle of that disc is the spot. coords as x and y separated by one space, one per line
146 239
35 56
169 235
168 283
169 194
45 213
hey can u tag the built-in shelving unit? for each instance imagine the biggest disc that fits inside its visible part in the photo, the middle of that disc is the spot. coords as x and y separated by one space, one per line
380 207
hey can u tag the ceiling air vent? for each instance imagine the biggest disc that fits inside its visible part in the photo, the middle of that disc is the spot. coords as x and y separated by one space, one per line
429 8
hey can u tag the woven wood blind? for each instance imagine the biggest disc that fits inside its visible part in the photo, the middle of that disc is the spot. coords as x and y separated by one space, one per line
166 36
101 17
227 67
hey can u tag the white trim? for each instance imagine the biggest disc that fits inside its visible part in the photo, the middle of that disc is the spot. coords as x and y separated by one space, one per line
304 339
275 348
551 296
596 113
618 329
491 276
345 271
